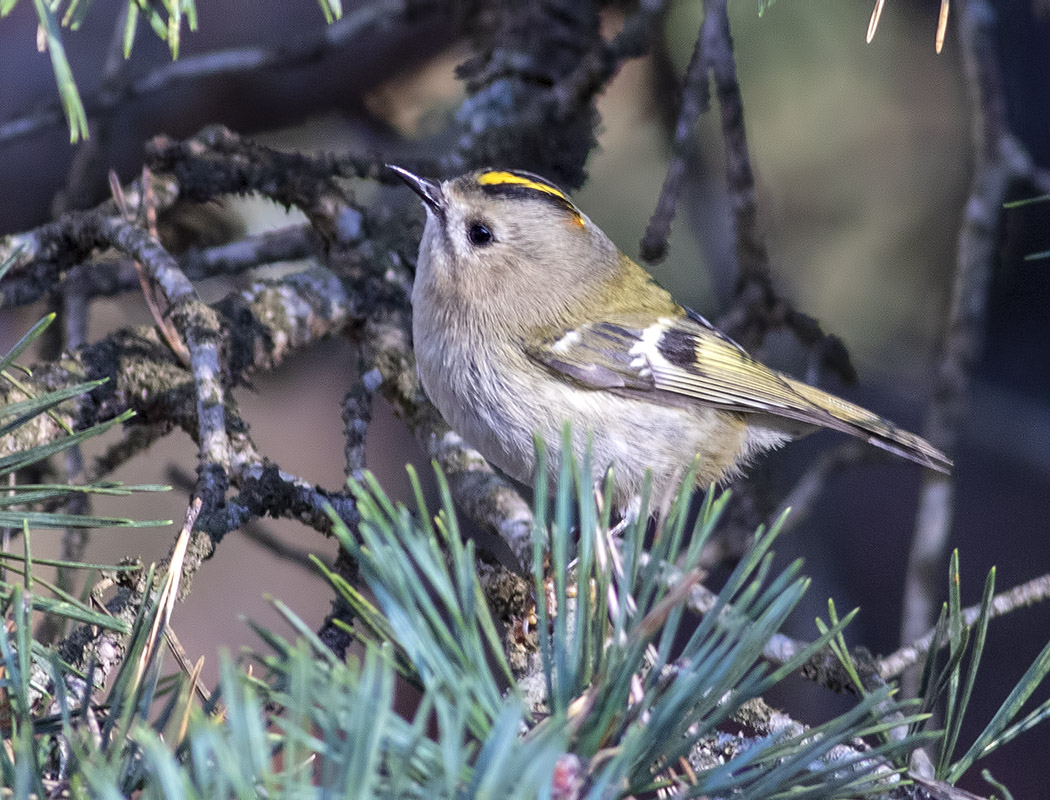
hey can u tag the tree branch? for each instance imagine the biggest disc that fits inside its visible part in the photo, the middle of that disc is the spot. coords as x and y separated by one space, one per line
350 31
1026 594
31 281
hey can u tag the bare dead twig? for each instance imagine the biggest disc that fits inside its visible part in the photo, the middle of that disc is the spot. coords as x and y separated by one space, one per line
1026 594
277 318
333 631
263 490
137 439
73 237
267 490
78 233
217 161
159 315
757 307
30 248
34 279
695 100
357 414
302 318
717 47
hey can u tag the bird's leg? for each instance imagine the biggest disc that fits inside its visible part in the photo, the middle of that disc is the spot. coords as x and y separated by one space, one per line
609 539
605 552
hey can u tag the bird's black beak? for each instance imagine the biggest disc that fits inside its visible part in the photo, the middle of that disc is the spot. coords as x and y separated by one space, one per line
429 190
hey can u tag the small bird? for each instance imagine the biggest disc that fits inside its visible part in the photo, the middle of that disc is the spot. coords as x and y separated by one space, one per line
526 316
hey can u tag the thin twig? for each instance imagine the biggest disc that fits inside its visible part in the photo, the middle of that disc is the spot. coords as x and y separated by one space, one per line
717 47
38 244
333 631
76 235
106 277
266 489
1026 594
695 100
605 60
160 318
757 308
216 161
357 414
779 649
136 440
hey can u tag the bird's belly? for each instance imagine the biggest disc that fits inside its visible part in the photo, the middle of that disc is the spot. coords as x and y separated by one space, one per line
500 413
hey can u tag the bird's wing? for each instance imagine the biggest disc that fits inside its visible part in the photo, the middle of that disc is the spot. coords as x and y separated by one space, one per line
678 359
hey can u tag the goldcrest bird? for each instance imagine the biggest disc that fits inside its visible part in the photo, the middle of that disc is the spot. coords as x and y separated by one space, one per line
526 316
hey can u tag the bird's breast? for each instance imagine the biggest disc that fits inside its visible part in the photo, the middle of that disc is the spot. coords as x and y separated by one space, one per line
483 401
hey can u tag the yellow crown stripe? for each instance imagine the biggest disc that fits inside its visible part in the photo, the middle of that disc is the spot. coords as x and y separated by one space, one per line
503 178
499 178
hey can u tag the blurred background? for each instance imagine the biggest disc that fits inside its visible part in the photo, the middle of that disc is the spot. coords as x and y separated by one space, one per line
863 160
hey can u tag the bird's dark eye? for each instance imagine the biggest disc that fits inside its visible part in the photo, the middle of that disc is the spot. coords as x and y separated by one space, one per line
479 234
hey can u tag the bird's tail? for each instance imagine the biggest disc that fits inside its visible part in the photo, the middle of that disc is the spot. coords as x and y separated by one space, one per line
859 422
